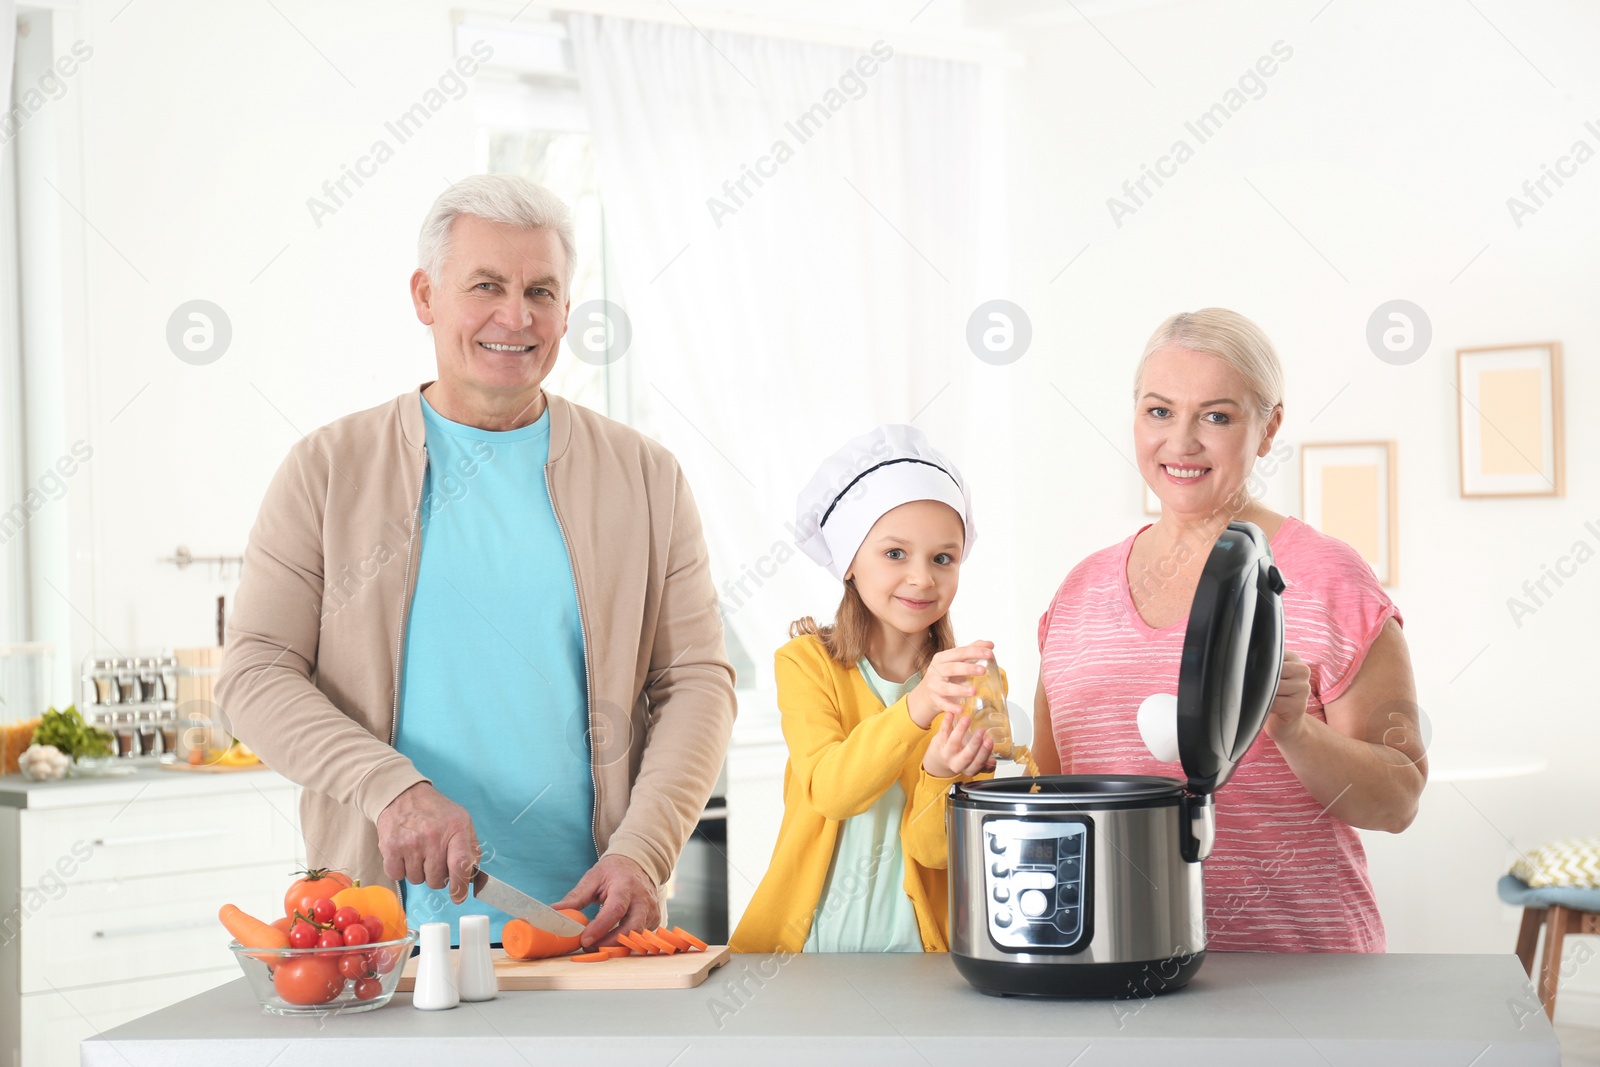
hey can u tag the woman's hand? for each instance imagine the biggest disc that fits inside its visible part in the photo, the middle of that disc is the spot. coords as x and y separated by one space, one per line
944 684
1287 716
958 749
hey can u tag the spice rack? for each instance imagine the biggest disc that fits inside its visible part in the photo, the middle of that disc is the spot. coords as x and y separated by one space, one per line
157 706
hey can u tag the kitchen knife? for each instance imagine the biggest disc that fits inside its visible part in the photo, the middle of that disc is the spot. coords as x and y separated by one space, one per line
497 894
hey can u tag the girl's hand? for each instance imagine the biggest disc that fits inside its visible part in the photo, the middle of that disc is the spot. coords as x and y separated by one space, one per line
958 749
1287 716
944 684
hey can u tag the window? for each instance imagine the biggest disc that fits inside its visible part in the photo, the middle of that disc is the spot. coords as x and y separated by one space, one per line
530 120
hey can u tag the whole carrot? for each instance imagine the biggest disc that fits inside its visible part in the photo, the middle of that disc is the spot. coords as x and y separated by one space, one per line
250 931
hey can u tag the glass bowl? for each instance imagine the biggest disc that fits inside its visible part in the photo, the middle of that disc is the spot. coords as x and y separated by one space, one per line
309 981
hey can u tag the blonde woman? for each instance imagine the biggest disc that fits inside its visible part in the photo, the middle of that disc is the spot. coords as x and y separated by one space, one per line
1340 750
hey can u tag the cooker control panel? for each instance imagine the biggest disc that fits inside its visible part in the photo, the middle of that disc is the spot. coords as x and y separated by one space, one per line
1035 879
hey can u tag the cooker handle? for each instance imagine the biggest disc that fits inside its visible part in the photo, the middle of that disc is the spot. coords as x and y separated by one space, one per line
1197 827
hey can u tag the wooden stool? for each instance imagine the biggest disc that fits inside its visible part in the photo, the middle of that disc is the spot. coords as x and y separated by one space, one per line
1556 911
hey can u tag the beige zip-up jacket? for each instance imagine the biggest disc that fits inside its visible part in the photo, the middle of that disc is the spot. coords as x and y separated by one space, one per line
309 677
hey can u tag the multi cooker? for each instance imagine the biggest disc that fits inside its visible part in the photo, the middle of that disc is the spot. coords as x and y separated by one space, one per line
1092 885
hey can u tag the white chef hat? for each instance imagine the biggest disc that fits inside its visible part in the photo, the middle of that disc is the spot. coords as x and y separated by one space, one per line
870 476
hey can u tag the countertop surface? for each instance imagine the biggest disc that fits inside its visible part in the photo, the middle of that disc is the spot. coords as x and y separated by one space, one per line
1241 1009
145 780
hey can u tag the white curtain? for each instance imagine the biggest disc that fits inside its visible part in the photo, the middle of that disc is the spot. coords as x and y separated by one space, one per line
773 322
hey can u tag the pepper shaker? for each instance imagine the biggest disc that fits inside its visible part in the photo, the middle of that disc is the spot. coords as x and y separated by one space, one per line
475 978
435 988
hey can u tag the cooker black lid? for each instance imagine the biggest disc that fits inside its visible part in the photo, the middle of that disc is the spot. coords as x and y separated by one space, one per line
1232 655
1072 791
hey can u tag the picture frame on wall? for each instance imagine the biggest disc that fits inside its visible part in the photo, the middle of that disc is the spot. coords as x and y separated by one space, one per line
1509 425
1349 490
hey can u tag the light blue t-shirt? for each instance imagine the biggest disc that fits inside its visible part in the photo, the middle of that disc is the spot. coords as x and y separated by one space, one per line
493 700
863 906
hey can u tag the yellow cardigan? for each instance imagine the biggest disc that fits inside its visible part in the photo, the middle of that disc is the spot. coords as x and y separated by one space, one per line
845 751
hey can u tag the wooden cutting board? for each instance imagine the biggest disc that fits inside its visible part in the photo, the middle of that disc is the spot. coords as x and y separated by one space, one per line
682 971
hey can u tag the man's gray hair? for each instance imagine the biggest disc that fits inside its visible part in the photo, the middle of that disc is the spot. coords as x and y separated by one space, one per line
502 198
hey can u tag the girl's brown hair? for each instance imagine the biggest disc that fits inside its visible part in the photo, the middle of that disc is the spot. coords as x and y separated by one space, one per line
853 625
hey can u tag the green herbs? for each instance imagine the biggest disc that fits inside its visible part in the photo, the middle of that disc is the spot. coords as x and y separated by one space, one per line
67 731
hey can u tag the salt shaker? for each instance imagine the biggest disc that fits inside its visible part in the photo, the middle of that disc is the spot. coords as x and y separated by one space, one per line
436 980
475 976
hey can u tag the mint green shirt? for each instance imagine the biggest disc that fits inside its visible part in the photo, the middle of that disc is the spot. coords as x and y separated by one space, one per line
863 906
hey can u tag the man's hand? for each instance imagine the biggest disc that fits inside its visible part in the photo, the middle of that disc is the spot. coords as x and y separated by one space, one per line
427 837
627 899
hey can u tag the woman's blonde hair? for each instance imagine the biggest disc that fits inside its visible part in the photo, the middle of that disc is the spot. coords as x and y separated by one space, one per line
846 637
1230 337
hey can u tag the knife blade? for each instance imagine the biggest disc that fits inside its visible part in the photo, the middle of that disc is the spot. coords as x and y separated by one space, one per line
513 901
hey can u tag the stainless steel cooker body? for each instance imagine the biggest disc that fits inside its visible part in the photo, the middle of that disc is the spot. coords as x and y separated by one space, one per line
1082 889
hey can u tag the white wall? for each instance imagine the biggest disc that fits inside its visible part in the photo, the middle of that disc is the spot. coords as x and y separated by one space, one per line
1390 139
203 133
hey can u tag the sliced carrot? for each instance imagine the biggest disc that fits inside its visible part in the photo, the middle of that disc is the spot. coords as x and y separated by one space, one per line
672 939
660 944
591 957
699 945
637 943
616 952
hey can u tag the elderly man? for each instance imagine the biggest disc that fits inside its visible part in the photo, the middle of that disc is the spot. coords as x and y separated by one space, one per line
477 622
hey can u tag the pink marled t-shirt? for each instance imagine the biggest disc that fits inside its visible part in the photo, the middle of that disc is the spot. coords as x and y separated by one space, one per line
1284 876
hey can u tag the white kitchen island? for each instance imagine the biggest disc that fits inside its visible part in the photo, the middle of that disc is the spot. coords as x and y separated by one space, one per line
1241 1010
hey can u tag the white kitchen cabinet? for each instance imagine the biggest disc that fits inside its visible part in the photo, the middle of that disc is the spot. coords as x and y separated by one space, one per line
109 890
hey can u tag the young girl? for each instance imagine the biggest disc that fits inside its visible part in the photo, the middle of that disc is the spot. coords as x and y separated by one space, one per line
871 710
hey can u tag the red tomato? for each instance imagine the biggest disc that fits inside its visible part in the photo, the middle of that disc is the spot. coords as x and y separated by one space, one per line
357 934
355 965
385 959
374 926
367 988
323 910
344 917
314 884
308 979
330 939
302 935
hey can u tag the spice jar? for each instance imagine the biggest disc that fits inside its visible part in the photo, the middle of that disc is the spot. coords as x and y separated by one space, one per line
149 732
125 733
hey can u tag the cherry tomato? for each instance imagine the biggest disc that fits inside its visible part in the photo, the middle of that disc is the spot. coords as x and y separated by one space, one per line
357 934
330 939
344 917
367 988
384 959
323 911
302 935
374 925
355 965
308 979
